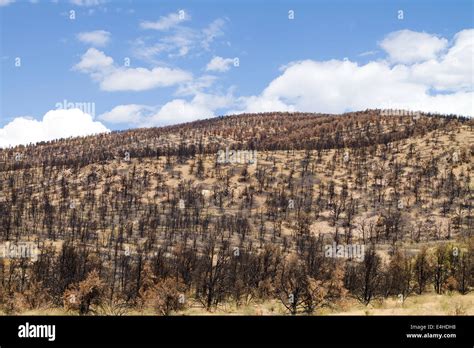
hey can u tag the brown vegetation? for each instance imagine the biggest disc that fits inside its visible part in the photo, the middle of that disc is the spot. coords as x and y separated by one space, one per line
169 227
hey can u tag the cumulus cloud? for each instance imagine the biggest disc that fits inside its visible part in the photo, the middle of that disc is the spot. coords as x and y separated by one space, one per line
406 46
452 71
94 61
60 123
129 113
140 79
166 22
443 83
179 110
202 105
95 38
262 103
219 64
113 78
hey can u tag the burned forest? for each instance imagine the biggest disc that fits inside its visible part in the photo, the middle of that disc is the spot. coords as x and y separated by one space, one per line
283 213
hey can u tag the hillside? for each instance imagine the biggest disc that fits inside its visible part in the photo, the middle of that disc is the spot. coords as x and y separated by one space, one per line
241 209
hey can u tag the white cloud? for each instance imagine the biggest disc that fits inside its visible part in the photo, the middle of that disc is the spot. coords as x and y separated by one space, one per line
146 52
177 44
202 106
95 38
180 42
262 104
87 3
173 112
6 2
214 30
94 61
141 79
114 78
336 86
166 22
452 71
179 110
406 46
219 64
130 113
195 86
60 123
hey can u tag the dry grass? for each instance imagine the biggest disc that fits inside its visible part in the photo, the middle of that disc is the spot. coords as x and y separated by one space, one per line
426 304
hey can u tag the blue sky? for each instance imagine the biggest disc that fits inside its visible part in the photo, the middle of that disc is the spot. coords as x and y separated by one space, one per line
334 56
